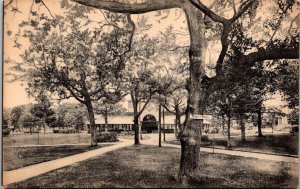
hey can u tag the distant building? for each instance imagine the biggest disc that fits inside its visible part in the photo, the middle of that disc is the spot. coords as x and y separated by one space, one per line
148 119
283 120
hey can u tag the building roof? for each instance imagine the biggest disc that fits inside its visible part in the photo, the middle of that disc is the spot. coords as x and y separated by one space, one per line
115 119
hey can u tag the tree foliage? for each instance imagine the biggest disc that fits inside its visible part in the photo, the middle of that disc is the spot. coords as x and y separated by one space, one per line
293 117
287 82
15 116
42 110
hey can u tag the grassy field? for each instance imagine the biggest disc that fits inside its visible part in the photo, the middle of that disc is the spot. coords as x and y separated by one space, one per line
279 143
19 139
154 167
17 157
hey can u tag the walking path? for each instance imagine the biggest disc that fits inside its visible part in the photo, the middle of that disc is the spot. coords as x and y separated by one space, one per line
243 154
153 140
38 169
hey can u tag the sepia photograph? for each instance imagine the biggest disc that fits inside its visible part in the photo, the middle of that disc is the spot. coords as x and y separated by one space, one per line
150 94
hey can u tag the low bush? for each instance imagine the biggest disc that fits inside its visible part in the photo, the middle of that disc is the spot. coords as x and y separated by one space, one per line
6 132
69 130
64 130
107 137
204 138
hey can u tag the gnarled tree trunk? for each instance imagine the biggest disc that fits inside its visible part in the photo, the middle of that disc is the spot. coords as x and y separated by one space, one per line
93 128
191 135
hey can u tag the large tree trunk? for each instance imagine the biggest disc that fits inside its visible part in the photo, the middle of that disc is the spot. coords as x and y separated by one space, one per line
259 123
93 128
243 129
228 130
136 130
135 118
191 135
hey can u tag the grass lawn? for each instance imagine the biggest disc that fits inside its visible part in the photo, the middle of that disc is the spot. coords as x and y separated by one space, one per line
19 139
283 143
154 167
17 157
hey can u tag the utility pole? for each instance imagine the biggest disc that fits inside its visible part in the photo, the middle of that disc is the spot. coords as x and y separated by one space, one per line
159 113
164 124
159 125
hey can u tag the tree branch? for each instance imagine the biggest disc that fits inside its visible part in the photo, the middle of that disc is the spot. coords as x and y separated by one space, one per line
199 5
270 54
74 95
145 105
10 2
168 109
244 6
132 8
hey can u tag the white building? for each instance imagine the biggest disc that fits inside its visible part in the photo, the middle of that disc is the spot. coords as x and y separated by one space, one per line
148 120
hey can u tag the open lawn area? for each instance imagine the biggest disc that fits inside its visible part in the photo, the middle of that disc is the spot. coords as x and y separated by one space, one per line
20 139
17 157
272 144
154 167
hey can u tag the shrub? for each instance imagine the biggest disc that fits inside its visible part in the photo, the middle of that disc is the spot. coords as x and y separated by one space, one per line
6 132
107 137
204 138
55 130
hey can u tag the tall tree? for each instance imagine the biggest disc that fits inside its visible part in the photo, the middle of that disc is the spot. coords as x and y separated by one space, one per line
30 121
194 11
287 81
71 115
293 117
43 111
15 115
142 87
71 57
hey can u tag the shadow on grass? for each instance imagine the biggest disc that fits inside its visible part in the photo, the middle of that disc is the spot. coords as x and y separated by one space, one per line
17 157
153 167
278 144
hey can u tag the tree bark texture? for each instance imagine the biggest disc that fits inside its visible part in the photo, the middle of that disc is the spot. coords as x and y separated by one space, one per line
243 129
135 118
93 128
136 131
259 123
191 134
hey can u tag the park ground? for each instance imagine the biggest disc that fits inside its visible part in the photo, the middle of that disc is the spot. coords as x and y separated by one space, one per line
147 166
